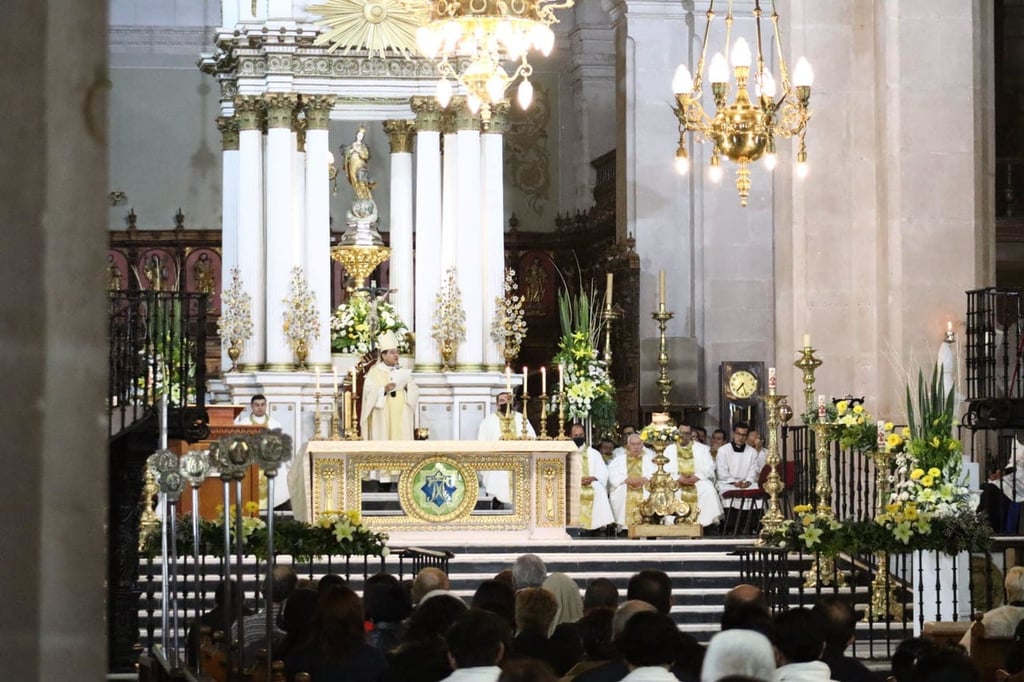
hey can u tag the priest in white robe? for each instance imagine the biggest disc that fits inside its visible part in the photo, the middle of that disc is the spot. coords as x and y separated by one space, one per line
498 484
627 476
389 396
595 510
736 464
703 477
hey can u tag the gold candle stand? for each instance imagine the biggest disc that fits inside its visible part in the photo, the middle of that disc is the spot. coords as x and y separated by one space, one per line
663 382
523 433
808 364
317 423
884 604
772 519
336 420
544 417
352 427
561 418
608 316
823 572
149 522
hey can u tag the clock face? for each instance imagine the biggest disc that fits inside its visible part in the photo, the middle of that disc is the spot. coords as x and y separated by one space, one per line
743 384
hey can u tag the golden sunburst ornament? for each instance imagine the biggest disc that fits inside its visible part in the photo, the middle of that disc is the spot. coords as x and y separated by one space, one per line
373 25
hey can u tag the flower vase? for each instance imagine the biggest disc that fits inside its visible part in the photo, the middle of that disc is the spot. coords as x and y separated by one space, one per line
234 351
301 352
447 355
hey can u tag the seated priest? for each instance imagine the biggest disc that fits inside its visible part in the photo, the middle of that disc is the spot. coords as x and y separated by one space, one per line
736 464
595 510
703 476
498 484
389 396
627 476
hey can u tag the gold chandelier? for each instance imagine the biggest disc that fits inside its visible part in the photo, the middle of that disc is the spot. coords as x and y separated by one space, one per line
743 131
470 39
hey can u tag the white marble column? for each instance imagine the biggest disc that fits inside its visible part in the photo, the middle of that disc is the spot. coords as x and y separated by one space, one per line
449 187
318 220
281 249
400 136
428 226
249 111
492 223
228 126
468 240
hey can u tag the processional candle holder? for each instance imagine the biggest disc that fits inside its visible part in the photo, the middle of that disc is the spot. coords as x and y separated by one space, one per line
823 572
544 417
664 383
884 604
807 363
608 317
194 467
172 483
773 518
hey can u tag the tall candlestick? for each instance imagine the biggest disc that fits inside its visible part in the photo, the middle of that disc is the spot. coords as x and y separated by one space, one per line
508 379
335 381
807 340
821 408
773 382
608 289
317 379
544 377
561 378
524 380
661 287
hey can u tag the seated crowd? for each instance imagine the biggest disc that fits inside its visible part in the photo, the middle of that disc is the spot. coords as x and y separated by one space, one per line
526 624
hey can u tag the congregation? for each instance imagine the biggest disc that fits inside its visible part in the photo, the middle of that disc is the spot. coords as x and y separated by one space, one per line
528 625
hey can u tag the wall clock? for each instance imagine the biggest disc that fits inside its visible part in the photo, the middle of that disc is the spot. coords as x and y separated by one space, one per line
742 384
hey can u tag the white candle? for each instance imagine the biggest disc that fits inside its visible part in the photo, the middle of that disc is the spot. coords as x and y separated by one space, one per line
772 381
561 378
608 290
949 326
317 379
661 287
525 371
335 381
508 379
807 340
821 408
544 377
881 435
354 378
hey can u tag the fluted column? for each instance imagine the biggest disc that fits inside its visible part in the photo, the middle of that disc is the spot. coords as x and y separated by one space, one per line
251 245
468 240
428 225
282 251
228 127
492 222
318 219
400 135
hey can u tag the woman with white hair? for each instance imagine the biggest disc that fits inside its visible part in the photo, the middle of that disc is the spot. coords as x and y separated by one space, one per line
739 652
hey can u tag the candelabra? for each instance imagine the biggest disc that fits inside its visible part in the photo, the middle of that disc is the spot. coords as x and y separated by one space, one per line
823 572
608 316
544 417
884 602
807 364
772 518
663 382
561 418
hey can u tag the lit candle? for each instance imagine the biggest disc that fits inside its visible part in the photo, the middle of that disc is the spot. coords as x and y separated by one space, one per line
525 371
335 381
561 378
822 414
354 378
661 287
772 381
881 435
544 375
608 290
508 379
317 379
807 340
348 418
949 325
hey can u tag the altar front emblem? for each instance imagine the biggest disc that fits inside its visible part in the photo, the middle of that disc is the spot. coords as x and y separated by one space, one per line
438 489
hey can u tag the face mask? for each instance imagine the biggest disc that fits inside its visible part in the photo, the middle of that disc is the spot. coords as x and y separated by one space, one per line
579 440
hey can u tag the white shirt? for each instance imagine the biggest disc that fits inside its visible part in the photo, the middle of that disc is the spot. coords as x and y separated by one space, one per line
489 673
650 674
811 671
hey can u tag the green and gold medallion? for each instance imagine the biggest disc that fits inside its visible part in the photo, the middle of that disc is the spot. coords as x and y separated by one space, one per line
438 489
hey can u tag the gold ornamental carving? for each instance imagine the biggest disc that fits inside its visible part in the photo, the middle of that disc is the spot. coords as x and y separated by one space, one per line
462 117
228 127
400 134
318 111
280 107
500 122
550 492
527 159
360 261
249 112
377 26
428 113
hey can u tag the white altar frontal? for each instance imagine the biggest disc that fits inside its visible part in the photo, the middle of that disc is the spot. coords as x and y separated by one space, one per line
437 492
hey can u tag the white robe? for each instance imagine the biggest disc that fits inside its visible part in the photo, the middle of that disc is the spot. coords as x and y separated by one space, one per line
375 415
281 494
592 464
708 503
735 466
498 484
617 474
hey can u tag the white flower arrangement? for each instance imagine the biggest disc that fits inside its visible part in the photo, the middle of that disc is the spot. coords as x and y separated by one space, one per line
352 330
300 315
235 323
508 331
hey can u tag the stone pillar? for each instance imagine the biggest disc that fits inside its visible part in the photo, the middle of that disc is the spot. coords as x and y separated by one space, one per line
251 245
400 136
468 242
428 226
492 226
318 219
298 189
228 127
449 186
281 247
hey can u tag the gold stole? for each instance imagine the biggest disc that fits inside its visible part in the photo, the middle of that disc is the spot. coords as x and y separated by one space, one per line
634 496
586 491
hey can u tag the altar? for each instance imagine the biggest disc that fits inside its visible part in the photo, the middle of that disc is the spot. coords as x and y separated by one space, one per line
437 489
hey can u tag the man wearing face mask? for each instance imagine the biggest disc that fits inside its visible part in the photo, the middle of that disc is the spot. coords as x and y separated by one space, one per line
595 511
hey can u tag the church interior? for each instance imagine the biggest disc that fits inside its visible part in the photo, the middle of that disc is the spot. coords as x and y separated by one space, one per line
220 201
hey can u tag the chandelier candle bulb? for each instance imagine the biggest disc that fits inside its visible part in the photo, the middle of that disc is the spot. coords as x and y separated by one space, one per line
772 381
